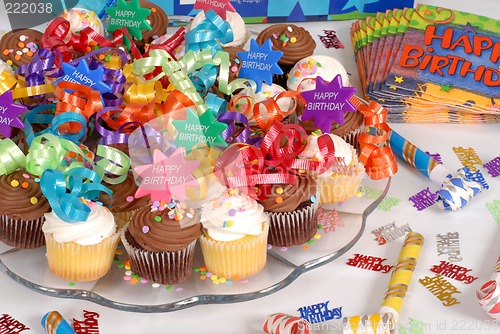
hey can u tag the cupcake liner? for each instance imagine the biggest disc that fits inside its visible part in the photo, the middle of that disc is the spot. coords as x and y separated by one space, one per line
293 228
122 218
166 268
81 263
352 136
235 259
22 233
339 188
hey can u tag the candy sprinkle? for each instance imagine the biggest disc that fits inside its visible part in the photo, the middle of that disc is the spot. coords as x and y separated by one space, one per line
313 199
279 200
158 219
145 229
130 199
14 183
25 185
279 190
33 200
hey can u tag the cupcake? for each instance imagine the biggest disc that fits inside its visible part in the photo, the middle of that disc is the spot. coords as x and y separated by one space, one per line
295 43
292 211
234 242
238 26
123 204
80 18
234 67
341 181
327 68
19 46
157 19
81 251
160 242
22 209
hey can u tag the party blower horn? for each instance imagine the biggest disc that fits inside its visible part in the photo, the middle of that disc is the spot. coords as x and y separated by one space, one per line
457 189
385 320
488 295
54 323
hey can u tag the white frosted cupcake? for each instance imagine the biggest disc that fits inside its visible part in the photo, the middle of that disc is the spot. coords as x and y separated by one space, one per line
341 181
81 251
312 67
240 32
234 242
80 18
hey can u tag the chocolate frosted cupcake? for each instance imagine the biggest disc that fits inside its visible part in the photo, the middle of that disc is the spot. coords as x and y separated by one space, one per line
234 67
161 243
123 204
19 46
22 209
157 19
292 211
295 43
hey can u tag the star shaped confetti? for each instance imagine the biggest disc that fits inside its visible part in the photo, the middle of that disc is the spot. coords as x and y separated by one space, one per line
399 79
129 15
328 103
220 7
260 63
9 114
445 88
167 176
83 75
199 129
469 28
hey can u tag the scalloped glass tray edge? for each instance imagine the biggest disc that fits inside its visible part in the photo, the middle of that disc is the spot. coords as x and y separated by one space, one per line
284 267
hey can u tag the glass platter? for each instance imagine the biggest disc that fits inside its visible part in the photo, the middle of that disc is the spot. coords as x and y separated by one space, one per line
120 289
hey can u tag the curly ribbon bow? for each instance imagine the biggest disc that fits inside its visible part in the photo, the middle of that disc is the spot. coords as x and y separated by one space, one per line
37 116
275 162
376 154
253 110
209 33
81 182
11 157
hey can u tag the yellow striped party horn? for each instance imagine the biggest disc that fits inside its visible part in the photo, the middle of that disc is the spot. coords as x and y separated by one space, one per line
384 322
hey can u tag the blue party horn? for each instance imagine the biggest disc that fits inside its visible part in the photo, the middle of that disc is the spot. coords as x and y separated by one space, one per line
54 323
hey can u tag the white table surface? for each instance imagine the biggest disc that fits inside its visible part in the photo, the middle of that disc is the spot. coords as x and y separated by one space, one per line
356 290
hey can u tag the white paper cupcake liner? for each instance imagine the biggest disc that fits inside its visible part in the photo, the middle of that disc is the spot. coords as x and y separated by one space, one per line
293 228
81 263
235 259
166 268
22 233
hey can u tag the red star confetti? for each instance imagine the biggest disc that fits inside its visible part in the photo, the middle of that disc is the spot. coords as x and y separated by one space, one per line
220 7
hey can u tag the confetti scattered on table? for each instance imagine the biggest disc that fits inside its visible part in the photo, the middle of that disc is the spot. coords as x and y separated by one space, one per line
369 263
320 312
453 271
494 209
423 199
441 288
449 244
468 157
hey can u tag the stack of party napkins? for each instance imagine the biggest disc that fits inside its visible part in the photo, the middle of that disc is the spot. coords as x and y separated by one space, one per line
430 64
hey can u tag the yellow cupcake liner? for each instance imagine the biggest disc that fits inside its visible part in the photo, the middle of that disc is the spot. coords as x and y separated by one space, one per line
81 263
239 258
122 218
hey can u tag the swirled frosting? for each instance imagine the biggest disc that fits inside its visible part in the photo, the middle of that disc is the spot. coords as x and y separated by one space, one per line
157 19
99 225
21 197
235 21
232 217
312 67
80 18
287 197
157 231
123 196
295 42
343 150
